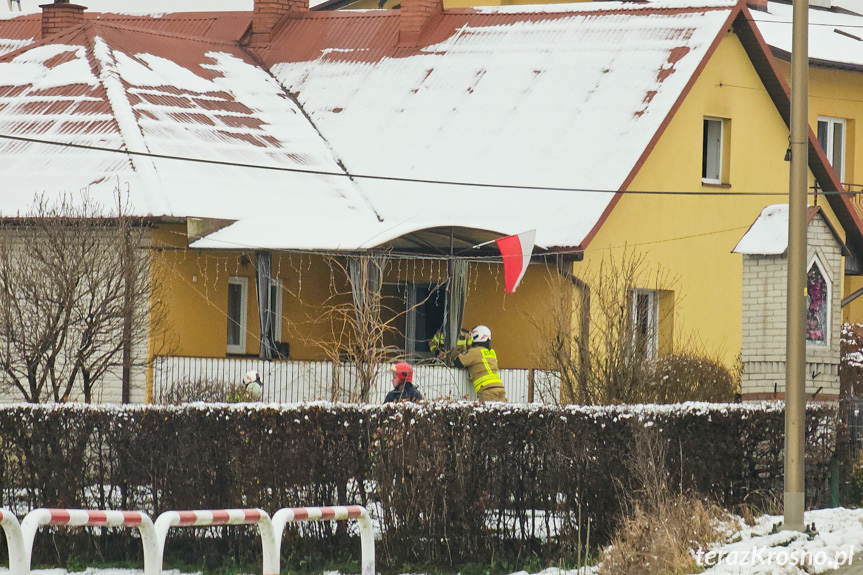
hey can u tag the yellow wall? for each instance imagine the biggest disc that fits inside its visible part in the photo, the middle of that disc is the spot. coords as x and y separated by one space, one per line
691 237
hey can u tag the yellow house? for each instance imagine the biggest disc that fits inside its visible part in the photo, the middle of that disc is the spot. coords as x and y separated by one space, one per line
291 162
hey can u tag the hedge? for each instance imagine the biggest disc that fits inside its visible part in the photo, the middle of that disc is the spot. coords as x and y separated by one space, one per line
447 483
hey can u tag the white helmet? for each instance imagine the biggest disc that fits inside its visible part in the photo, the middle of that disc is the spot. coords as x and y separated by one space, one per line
252 380
480 334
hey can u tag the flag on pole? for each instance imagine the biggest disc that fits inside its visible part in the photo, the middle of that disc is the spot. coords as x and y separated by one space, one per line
516 252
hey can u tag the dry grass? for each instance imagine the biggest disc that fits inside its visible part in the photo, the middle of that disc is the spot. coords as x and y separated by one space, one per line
662 528
659 541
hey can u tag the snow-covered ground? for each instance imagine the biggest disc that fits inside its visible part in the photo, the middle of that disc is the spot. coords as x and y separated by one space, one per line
837 537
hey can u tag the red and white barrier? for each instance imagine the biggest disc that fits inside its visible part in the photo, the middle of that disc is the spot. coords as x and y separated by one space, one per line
207 518
20 537
86 518
367 537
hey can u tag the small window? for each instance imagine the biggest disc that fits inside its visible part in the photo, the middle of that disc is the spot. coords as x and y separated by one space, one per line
238 299
712 152
644 315
831 136
817 305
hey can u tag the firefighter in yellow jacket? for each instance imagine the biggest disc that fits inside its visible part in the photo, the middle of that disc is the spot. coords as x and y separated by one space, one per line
480 361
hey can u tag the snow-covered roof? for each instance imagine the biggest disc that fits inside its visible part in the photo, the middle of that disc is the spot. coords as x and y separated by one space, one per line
555 97
835 36
768 235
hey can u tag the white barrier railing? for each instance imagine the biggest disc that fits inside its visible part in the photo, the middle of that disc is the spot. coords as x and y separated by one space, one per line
18 559
20 537
367 538
85 518
214 517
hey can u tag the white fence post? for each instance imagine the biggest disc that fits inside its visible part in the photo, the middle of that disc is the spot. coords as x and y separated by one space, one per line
210 518
84 518
367 538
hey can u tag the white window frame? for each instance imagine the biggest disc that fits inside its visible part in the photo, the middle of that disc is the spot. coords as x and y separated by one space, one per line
708 153
830 124
828 301
412 346
276 290
652 319
239 348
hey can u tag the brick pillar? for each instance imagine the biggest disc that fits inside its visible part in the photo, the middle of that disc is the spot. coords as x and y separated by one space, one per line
268 13
414 16
60 16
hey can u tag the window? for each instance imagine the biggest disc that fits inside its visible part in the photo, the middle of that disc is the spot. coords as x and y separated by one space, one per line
714 153
644 315
238 299
276 307
417 311
817 305
831 136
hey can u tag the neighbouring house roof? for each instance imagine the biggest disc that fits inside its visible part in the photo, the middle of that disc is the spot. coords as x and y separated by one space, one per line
835 35
495 121
768 234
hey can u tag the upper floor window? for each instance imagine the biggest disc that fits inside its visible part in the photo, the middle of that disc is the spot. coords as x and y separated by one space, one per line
817 305
831 136
238 300
714 157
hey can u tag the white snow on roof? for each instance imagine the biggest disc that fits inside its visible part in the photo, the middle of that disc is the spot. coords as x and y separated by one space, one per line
148 104
768 235
570 102
833 36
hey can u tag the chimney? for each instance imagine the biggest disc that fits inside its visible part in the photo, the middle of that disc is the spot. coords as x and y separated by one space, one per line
415 16
268 13
760 5
60 16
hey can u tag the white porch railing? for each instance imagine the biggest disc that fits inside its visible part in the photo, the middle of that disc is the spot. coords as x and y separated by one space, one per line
295 381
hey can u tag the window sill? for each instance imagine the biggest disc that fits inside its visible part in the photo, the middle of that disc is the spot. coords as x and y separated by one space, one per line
714 185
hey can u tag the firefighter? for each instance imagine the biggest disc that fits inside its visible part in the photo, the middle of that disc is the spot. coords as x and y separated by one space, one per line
480 361
437 344
253 384
403 386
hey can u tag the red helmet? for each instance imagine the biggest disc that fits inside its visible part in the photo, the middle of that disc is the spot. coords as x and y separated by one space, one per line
404 370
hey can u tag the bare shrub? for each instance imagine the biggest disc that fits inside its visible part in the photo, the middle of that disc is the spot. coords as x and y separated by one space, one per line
189 391
589 336
661 529
691 377
206 390
851 360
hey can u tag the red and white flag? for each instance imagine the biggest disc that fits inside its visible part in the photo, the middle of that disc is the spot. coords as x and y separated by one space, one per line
516 252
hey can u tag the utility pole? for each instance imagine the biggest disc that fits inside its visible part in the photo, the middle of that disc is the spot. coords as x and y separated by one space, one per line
795 360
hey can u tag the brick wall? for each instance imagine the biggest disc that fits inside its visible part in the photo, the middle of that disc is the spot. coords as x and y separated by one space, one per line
59 17
764 318
267 13
414 16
